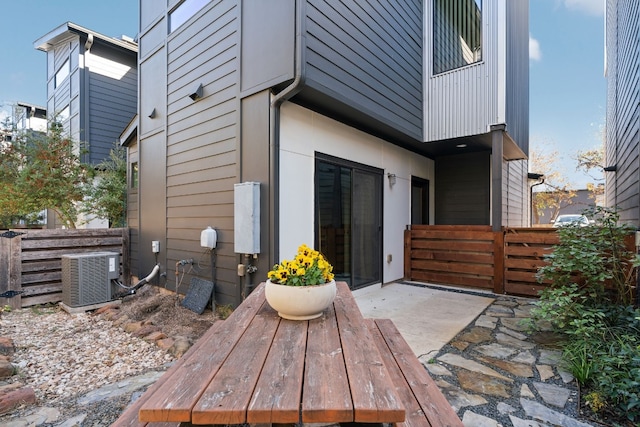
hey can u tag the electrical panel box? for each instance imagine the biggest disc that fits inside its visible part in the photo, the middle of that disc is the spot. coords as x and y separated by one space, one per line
246 217
86 277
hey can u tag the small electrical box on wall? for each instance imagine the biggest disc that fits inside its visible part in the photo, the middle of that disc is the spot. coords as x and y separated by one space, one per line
208 238
246 217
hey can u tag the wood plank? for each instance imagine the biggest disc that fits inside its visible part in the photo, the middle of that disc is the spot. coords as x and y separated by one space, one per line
41 299
448 245
226 398
80 242
189 381
407 255
426 392
324 401
452 279
373 393
498 266
453 267
39 266
15 270
130 416
35 290
277 396
532 251
51 276
523 289
531 264
478 258
414 416
53 254
67 232
453 234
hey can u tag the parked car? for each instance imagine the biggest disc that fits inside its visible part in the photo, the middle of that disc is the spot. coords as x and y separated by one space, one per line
575 219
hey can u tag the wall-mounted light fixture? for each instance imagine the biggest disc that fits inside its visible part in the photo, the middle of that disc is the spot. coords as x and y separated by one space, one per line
152 114
197 94
611 168
392 179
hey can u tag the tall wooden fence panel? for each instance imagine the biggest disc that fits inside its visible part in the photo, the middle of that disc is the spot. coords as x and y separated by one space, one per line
524 250
30 261
454 255
503 261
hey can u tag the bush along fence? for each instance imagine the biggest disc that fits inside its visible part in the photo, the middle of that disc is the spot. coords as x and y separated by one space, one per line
504 262
31 266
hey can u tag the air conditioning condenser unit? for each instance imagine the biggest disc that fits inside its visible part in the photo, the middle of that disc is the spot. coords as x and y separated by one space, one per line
86 277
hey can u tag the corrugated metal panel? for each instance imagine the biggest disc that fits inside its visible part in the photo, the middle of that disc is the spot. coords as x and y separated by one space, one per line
623 120
466 101
368 55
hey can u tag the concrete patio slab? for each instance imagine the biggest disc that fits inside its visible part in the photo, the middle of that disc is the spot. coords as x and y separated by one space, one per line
427 318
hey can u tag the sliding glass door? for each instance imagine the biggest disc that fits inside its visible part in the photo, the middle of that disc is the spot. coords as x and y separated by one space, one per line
348 199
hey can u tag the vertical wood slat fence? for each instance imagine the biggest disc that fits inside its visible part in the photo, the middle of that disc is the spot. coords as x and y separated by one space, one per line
31 260
505 261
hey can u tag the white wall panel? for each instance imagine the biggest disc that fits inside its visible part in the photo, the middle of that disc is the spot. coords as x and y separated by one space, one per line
302 133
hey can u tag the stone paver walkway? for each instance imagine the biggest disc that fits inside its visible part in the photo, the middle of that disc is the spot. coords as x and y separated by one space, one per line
494 373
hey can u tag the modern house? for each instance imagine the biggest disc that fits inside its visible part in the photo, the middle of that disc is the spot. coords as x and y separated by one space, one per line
622 189
91 87
353 119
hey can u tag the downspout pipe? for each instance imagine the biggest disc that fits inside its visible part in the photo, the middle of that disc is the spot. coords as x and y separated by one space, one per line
274 159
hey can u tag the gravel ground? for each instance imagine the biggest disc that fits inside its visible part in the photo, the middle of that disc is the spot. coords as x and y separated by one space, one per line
63 356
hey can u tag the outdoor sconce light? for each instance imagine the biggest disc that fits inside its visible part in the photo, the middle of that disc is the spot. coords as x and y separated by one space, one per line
197 94
611 168
152 114
392 179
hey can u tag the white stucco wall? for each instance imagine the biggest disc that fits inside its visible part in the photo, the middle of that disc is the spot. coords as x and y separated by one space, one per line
302 133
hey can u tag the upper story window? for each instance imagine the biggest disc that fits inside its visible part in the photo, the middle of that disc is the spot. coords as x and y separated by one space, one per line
457 34
183 12
62 73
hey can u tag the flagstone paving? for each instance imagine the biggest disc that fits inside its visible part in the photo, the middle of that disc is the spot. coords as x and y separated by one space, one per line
497 374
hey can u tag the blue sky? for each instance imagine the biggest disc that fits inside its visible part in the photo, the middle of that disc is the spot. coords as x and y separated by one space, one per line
567 86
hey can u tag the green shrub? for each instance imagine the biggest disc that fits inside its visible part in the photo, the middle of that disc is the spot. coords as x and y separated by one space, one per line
599 324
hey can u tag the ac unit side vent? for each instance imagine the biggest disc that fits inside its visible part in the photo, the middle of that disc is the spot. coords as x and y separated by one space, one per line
86 278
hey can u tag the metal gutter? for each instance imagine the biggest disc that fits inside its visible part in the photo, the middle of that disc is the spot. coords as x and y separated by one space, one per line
274 138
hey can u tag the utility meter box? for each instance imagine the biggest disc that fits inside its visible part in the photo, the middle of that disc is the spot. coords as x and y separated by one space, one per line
246 217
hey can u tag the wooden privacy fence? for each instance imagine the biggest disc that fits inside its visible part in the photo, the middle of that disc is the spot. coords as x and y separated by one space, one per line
505 261
31 266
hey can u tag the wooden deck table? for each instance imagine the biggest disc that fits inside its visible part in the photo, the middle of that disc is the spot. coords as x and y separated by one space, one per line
259 368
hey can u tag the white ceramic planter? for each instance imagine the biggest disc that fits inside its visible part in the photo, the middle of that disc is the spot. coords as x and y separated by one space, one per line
300 302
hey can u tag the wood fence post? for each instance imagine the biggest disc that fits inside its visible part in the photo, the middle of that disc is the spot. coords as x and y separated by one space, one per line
11 268
498 261
407 253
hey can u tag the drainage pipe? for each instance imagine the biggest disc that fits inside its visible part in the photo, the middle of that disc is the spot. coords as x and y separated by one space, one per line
274 143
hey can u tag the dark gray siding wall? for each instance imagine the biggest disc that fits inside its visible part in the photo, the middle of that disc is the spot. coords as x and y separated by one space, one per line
462 189
133 222
515 199
112 97
368 56
202 140
623 120
517 85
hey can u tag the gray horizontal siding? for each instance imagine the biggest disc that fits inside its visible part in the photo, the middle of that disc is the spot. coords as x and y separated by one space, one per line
112 97
202 140
623 113
368 55
517 85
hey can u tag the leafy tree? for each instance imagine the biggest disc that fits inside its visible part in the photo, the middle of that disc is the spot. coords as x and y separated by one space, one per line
556 191
42 171
107 194
591 160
